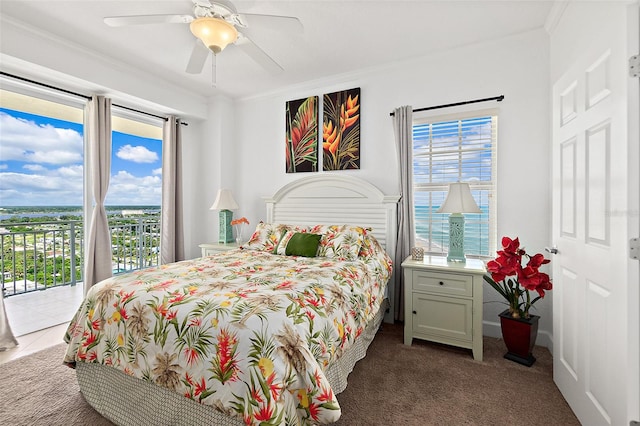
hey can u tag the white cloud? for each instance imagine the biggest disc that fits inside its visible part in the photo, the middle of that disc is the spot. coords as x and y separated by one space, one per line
70 172
24 140
157 172
27 182
53 173
21 189
63 186
34 167
137 154
124 188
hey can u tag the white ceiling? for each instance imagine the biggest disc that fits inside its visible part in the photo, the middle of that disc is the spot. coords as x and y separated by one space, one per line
339 36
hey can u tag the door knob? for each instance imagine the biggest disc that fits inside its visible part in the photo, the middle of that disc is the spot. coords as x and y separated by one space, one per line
552 250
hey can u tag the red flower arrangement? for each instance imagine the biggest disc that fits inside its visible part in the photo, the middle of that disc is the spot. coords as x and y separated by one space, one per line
241 221
513 281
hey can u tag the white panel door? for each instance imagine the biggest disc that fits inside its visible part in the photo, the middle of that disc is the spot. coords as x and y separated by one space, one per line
595 361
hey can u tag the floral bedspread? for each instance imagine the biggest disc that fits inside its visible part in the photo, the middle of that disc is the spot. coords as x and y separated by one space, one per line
245 331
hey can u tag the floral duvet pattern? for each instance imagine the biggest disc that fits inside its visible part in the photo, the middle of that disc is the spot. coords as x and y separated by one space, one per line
247 332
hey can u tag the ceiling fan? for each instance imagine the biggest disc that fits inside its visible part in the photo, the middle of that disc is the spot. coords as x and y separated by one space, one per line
217 24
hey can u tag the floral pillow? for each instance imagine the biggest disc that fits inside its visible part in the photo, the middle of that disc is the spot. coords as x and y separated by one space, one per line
343 241
266 237
369 245
282 245
373 254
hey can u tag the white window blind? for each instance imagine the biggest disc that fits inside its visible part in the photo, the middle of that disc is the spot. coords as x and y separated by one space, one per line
455 149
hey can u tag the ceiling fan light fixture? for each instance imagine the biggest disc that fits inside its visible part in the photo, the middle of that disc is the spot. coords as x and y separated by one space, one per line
215 33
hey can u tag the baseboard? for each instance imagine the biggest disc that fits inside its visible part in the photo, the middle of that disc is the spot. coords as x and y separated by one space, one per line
492 329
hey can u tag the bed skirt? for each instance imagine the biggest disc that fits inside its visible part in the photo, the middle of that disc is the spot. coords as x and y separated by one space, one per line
127 400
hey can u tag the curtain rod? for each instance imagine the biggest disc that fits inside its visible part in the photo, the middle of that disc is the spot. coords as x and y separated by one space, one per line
48 86
80 95
495 98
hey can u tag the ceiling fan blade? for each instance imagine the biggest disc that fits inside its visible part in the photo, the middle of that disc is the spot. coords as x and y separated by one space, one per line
258 55
197 59
120 21
289 24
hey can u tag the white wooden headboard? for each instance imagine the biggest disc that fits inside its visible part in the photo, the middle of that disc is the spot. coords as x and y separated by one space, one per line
337 199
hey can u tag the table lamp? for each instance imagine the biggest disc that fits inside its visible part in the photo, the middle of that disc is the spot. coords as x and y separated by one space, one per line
459 200
225 203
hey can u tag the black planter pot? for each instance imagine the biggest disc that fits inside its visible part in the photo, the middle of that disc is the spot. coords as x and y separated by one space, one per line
519 336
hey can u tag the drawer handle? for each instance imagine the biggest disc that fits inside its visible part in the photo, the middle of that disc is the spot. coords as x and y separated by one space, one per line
414 312
441 283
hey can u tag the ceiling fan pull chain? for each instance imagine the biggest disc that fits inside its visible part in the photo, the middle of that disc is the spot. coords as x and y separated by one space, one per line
214 69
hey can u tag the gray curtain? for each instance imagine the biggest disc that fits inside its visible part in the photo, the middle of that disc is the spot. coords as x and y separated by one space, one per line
403 132
7 341
171 230
97 265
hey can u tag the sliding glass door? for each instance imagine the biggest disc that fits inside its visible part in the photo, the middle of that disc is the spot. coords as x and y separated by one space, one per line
41 190
43 182
135 189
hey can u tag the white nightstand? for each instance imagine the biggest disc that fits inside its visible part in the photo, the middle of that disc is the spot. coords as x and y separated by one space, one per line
209 249
443 302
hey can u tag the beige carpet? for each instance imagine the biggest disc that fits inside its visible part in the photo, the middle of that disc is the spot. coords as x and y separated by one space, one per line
424 384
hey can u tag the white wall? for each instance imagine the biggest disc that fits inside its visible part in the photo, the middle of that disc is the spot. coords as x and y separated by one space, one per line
517 67
207 168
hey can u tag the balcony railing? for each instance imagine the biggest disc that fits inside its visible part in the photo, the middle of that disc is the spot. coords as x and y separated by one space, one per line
39 255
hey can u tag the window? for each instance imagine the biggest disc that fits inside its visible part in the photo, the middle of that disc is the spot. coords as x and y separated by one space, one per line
458 148
41 184
41 152
42 188
135 190
136 161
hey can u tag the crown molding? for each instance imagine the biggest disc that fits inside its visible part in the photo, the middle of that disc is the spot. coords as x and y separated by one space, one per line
554 16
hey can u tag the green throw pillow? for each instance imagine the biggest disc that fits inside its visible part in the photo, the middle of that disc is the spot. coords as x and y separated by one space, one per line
303 245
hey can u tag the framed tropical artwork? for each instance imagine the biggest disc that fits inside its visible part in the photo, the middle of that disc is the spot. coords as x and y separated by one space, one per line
341 130
302 135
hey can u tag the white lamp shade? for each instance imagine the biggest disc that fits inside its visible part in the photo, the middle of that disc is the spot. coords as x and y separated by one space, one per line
224 201
215 33
459 200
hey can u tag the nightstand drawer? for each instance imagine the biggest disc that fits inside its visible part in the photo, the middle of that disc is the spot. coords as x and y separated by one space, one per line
211 249
449 284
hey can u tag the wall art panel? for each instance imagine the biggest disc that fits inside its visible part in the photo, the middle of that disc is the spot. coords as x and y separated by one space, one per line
302 135
341 130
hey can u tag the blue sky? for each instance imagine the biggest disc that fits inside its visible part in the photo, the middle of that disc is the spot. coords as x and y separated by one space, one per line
41 164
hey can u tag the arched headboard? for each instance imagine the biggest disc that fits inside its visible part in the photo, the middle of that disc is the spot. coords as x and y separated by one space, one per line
338 199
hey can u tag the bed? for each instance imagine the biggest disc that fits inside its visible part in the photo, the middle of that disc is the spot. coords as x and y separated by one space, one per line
266 334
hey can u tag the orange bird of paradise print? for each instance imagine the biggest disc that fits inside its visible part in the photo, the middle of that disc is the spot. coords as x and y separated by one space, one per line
341 130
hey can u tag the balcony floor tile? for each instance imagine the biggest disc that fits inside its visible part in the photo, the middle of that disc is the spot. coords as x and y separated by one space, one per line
41 310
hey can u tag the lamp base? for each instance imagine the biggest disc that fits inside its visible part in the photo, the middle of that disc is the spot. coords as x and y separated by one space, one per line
226 231
456 238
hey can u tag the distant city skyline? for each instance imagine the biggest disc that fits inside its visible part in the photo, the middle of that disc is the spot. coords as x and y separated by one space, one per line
41 164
